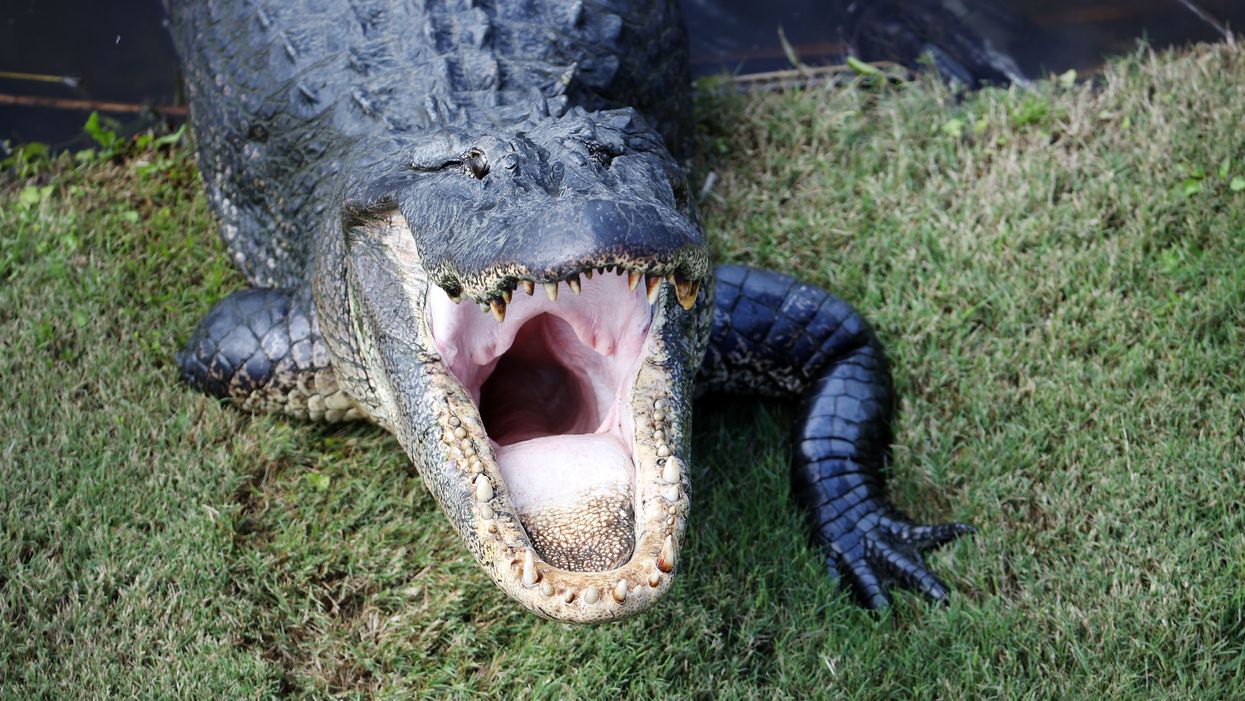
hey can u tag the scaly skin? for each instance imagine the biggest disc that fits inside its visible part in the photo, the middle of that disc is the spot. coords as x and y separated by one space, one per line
370 160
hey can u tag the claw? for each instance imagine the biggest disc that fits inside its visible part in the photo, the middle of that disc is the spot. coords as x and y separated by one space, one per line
866 584
909 569
924 537
884 550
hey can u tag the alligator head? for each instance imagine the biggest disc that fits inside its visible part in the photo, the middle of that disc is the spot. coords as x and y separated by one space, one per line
523 304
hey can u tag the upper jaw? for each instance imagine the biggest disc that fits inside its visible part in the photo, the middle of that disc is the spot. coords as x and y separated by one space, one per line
557 241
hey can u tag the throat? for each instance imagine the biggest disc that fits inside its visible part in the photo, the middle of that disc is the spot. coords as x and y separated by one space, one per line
540 387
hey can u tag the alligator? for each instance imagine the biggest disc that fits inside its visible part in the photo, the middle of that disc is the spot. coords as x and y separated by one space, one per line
467 222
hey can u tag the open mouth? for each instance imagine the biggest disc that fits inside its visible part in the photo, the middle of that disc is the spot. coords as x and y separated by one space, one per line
553 378
551 383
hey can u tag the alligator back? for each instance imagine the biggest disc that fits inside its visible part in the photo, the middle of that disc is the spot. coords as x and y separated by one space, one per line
285 95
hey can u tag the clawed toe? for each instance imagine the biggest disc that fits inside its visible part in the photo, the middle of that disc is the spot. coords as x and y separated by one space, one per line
889 554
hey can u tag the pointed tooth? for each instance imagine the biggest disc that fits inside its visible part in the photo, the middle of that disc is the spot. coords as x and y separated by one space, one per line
528 286
670 474
620 591
456 299
551 289
484 307
588 273
687 292
499 310
573 283
653 284
591 595
506 296
484 489
665 559
633 278
530 575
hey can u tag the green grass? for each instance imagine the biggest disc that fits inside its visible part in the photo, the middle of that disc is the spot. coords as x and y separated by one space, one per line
1059 276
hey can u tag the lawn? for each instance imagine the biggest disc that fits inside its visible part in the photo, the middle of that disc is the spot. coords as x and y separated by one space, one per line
1058 275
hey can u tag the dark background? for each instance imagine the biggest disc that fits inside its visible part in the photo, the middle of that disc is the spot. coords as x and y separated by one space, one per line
119 51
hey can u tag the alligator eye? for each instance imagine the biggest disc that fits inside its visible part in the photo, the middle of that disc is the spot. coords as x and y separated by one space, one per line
475 163
600 154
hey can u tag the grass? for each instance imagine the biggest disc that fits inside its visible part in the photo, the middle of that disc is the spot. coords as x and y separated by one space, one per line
1059 276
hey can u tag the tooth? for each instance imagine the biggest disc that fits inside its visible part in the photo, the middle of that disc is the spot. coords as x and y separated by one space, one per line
573 283
484 489
591 594
687 292
670 473
588 273
484 307
663 451
456 298
528 286
569 596
653 282
546 588
665 559
460 433
486 512
551 289
530 575
654 580
499 310
633 278
506 296
620 591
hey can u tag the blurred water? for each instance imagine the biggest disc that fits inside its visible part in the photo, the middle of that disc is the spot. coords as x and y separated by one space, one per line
119 51
741 36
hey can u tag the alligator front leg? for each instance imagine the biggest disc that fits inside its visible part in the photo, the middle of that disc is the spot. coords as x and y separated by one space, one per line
262 350
775 336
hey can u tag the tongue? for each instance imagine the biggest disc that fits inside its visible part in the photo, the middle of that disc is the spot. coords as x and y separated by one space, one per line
559 470
573 496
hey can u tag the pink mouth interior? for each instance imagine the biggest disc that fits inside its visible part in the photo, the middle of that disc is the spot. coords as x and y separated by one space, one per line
552 384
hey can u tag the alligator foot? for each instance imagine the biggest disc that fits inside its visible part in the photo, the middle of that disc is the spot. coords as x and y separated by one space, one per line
262 350
883 551
776 336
